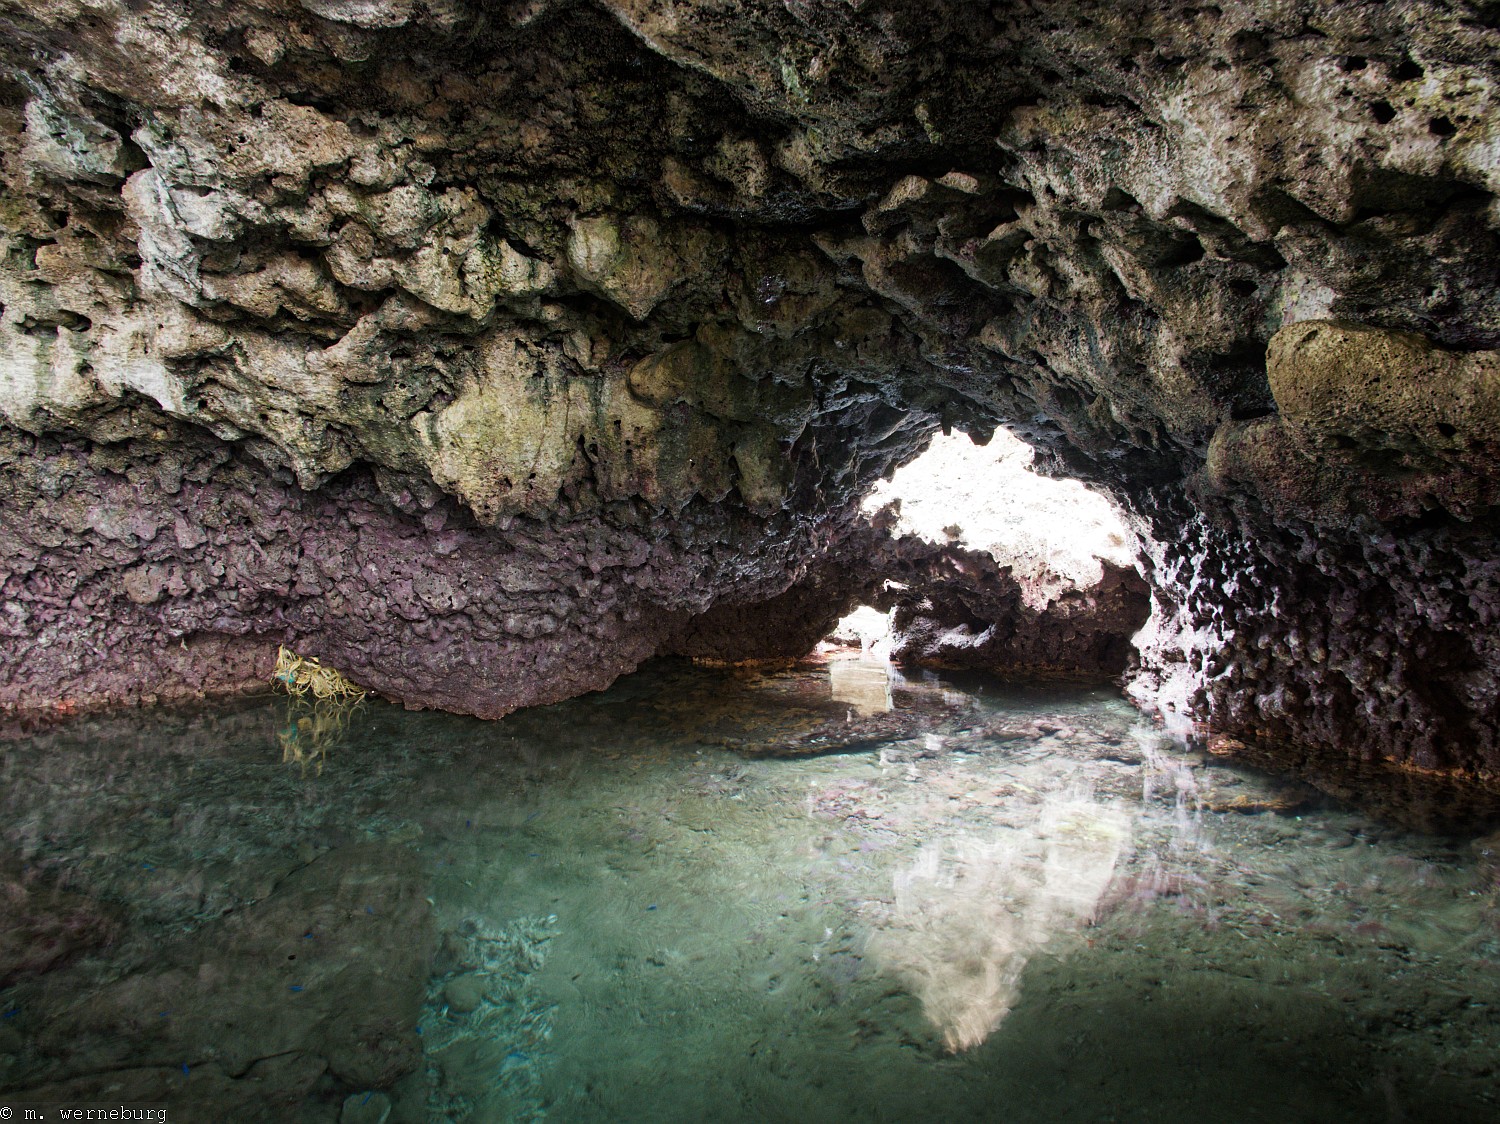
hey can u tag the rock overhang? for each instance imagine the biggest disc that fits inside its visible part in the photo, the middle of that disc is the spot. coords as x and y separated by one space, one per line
693 279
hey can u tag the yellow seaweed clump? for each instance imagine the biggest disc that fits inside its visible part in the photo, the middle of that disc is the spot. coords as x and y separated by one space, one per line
302 676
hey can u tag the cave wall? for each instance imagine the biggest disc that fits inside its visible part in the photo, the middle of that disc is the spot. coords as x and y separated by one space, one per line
563 272
950 606
151 571
296 350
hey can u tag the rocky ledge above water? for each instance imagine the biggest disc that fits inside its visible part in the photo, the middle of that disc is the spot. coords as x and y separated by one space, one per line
487 349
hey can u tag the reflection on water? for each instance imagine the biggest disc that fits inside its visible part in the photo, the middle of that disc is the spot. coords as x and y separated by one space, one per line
970 912
865 684
310 728
813 893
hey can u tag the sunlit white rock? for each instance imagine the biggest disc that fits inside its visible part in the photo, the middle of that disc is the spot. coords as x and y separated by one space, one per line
1052 533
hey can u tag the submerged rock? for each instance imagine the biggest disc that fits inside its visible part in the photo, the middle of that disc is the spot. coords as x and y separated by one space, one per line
46 926
349 933
365 1108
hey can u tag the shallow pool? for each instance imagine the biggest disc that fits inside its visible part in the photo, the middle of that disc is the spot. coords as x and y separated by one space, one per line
818 893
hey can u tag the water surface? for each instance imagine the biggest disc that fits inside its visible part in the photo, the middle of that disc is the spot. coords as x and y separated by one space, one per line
809 894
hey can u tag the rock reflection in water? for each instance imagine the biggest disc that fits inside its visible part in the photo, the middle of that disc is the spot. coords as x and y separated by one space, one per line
865 684
971 912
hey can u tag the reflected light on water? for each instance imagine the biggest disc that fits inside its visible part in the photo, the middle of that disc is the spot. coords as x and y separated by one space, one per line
971 912
637 905
864 684
310 729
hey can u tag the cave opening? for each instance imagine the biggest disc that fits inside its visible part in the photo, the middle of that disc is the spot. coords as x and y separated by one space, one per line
985 564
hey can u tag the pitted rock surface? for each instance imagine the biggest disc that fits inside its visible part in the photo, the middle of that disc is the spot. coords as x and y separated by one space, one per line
158 571
551 273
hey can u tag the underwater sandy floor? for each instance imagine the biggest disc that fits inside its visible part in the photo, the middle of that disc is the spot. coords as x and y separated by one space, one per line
704 895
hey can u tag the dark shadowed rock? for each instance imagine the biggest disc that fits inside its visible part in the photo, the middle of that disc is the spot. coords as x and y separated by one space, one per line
45 926
351 938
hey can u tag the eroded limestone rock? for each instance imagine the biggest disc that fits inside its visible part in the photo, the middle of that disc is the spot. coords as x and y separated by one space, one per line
687 278
1368 421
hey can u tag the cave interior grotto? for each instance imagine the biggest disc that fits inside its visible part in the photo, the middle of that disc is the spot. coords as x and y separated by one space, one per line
693 560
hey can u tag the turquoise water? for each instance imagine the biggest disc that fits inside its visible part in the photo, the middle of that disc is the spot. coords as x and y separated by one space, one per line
803 895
